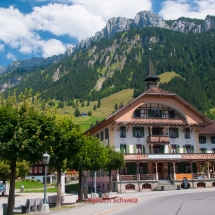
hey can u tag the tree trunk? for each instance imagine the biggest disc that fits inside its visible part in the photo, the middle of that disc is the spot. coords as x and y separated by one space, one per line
11 197
110 182
58 203
80 189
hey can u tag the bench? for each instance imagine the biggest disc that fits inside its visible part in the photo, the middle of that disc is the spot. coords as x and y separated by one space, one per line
32 205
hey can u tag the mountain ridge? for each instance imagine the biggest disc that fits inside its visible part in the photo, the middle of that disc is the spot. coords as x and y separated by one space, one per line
114 25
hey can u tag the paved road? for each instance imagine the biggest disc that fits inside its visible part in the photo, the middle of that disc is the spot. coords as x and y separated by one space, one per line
182 202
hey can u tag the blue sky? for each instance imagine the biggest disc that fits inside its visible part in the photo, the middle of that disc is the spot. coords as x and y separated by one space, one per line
42 28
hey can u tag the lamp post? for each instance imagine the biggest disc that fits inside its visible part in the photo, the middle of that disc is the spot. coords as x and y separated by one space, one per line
45 206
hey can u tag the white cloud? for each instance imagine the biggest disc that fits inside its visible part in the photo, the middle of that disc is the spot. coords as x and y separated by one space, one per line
52 47
1 47
10 56
61 19
115 8
76 18
173 9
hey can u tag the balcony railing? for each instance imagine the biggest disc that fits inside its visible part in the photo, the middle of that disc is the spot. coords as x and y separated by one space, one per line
158 139
159 120
134 177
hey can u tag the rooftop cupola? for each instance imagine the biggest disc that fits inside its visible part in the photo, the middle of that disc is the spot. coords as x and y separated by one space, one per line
151 78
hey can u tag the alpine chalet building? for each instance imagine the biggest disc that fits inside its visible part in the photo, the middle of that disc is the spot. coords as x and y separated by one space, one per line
164 140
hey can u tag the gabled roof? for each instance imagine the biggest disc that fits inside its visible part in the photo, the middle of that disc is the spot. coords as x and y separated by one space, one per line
208 130
156 91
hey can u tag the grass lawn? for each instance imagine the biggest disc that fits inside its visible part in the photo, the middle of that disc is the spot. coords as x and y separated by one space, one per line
167 76
29 184
48 190
106 108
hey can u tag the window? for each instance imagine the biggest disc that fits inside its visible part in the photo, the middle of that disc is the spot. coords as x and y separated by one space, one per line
137 113
188 149
35 169
156 113
187 133
156 149
97 136
101 135
106 134
174 149
122 132
30 170
202 139
213 139
102 172
40 169
203 150
139 149
138 132
98 173
171 114
173 132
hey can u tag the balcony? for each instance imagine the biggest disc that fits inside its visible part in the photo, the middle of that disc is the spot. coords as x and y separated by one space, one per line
160 121
158 139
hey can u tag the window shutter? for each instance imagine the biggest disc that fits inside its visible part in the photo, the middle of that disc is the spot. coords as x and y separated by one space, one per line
170 149
142 132
177 134
160 113
206 151
134 149
177 149
192 149
149 113
162 148
122 148
127 149
184 149
204 139
143 149
133 129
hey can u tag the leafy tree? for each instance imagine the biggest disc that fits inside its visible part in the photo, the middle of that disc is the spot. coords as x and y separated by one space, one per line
116 106
82 104
89 113
24 128
99 103
88 103
77 112
51 103
91 156
65 143
94 107
70 103
60 105
115 161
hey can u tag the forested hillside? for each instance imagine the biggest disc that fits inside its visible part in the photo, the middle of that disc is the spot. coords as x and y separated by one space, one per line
111 65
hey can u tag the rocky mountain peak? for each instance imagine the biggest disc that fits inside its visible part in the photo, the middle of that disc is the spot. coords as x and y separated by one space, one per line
117 24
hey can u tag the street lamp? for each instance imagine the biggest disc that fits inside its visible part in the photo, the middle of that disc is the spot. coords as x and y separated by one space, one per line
45 206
